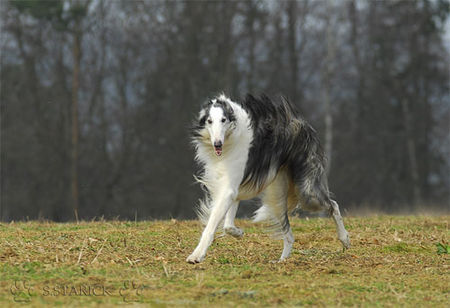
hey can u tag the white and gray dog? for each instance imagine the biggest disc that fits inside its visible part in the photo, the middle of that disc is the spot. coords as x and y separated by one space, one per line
258 148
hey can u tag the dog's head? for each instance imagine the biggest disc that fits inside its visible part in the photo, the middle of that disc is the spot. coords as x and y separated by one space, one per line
216 122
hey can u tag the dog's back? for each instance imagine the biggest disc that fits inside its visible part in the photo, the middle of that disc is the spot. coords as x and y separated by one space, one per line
285 141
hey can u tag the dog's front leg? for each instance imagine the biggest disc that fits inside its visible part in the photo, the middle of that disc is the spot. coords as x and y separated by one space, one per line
228 225
218 211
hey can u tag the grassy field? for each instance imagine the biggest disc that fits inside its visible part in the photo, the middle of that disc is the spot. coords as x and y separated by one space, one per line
394 261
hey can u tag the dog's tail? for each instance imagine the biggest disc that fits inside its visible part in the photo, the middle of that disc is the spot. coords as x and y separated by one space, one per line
263 214
274 223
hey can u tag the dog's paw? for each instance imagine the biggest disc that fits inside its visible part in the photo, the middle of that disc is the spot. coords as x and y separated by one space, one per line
280 260
345 242
234 231
195 258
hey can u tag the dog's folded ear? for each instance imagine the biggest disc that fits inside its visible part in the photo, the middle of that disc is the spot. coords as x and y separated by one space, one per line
203 112
229 113
206 104
227 110
202 120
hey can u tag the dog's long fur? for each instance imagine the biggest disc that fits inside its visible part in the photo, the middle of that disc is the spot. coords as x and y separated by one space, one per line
258 147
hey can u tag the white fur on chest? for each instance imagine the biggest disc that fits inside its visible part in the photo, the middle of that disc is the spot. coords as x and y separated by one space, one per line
227 171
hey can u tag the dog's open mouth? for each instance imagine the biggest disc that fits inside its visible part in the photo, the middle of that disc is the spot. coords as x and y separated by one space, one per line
218 150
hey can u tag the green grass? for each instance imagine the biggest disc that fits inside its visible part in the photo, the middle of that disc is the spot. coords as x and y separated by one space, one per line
394 261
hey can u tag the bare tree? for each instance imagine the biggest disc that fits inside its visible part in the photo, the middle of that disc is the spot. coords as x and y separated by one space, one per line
292 14
75 131
327 75
96 103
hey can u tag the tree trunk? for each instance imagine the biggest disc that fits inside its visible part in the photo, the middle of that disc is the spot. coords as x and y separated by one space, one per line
75 87
292 47
251 11
327 75
411 148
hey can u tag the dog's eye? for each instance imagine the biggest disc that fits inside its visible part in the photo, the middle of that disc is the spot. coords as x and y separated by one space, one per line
209 121
223 120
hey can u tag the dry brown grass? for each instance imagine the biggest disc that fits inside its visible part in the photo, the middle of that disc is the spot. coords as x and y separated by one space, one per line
393 262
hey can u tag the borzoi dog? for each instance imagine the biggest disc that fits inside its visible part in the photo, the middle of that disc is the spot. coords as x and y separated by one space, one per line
258 147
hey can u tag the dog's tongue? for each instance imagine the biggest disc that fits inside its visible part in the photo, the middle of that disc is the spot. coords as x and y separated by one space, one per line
218 151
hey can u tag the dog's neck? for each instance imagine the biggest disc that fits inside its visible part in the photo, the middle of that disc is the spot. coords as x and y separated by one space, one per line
243 124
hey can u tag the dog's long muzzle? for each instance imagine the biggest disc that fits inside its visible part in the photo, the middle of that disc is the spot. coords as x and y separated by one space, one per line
218 147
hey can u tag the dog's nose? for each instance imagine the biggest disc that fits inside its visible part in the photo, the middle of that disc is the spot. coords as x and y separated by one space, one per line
218 144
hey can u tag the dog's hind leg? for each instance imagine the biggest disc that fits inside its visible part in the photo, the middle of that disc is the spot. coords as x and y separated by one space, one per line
228 225
275 209
314 196
288 238
342 233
